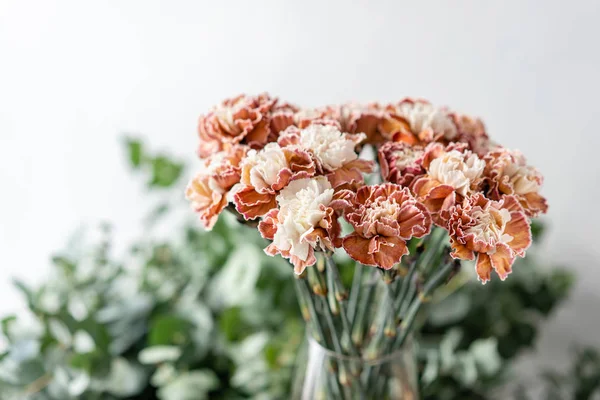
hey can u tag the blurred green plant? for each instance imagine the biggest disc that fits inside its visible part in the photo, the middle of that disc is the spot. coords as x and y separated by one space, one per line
207 315
471 336
198 315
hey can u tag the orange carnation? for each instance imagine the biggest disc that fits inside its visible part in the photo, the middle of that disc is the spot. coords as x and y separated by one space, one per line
507 173
384 217
401 163
265 173
417 122
453 173
209 189
494 231
239 120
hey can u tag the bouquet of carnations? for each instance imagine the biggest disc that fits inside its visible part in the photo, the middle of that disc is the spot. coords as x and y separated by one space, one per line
406 190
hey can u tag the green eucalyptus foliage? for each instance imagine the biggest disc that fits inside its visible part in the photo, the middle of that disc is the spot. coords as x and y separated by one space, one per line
470 338
198 315
206 315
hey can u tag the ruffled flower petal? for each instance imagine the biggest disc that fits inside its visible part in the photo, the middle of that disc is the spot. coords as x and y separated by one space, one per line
401 163
239 120
208 191
384 217
507 173
497 231
252 204
303 223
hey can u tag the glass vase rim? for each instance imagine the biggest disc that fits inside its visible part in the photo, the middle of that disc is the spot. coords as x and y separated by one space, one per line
394 355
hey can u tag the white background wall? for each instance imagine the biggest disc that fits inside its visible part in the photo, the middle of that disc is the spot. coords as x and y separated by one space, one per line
76 74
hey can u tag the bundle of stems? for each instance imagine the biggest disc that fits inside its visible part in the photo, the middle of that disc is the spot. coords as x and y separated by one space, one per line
364 323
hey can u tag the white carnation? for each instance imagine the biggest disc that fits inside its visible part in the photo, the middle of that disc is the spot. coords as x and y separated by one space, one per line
261 168
330 146
422 116
300 212
453 169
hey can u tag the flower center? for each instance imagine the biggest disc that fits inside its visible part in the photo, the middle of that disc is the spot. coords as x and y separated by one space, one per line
490 226
454 170
329 145
422 116
405 157
300 212
524 179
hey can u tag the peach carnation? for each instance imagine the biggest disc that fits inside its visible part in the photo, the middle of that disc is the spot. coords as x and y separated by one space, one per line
472 131
239 120
334 152
303 223
358 118
208 190
384 217
401 163
452 172
508 174
265 173
417 122
288 115
495 231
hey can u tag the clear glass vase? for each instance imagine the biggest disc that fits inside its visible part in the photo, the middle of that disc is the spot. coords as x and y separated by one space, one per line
325 374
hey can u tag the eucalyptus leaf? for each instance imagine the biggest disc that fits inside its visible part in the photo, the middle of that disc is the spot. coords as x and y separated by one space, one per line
78 384
193 385
135 150
235 283
126 378
485 354
60 331
159 354
83 342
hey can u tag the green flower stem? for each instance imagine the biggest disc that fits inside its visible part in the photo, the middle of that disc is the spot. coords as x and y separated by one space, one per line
302 300
378 383
355 290
303 291
334 385
386 341
435 281
341 297
360 322
317 282
433 247
377 328
406 281
410 295
344 372
331 293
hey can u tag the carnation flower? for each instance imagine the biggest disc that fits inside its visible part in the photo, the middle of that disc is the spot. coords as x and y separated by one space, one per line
265 173
333 150
242 119
384 217
400 162
472 131
331 147
282 116
452 171
358 118
417 121
495 231
208 190
507 173
303 223
287 115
